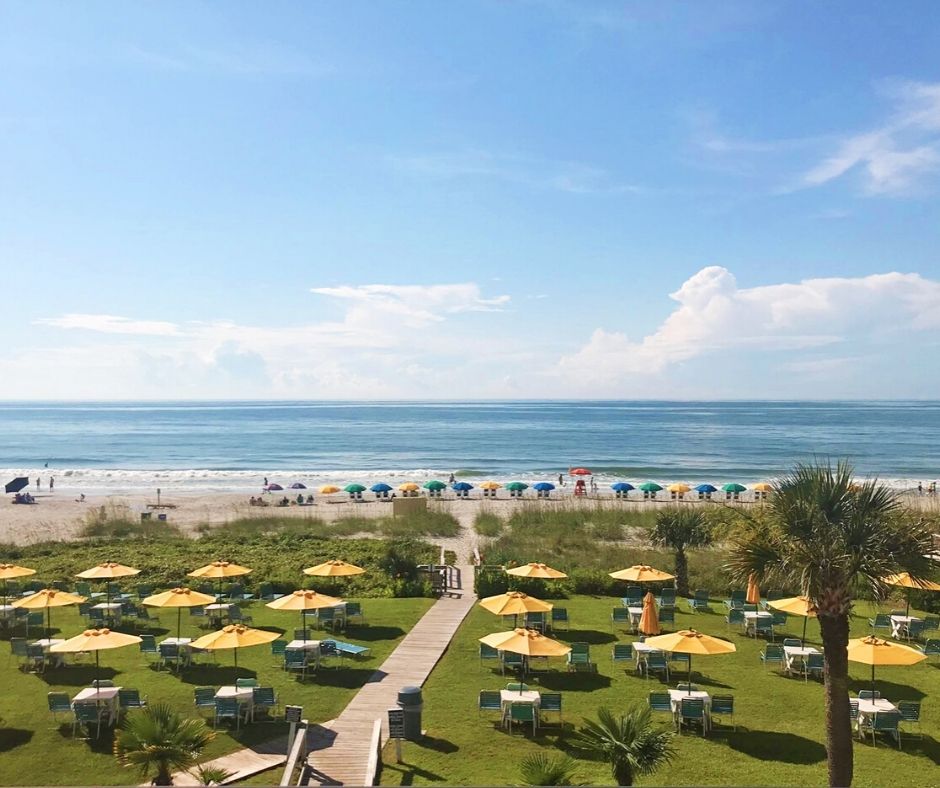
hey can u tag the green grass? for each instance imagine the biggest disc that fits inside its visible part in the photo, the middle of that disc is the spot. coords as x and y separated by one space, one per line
430 523
36 751
780 736
488 524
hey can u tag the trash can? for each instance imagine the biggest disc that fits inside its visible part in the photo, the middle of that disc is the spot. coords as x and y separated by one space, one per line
409 701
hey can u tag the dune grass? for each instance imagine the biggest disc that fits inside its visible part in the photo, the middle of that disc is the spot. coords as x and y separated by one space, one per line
488 524
780 720
34 750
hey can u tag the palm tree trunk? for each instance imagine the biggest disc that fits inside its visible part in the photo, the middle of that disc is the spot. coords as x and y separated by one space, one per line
163 777
835 638
682 573
623 773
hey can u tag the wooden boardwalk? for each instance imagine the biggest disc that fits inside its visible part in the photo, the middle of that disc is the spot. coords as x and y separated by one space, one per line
340 750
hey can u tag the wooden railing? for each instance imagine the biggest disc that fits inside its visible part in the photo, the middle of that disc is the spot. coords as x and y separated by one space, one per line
297 751
375 753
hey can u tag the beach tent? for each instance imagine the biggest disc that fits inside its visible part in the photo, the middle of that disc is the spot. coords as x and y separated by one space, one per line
16 485
298 486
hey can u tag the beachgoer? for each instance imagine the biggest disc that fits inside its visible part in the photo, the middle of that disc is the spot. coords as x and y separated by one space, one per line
452 479
38 480
561 480
51 483
300 498
920 488
81 498
265 481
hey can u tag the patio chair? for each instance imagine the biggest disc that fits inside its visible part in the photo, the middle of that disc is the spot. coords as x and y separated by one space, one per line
522 713
814 665
246 683
142 617
667 597
764 627
328 650
622 652
869 695
88 714
736 600
723 705
204 698
266 592
34 620
227 709
779 619
489 701
535 621
59 703
620 616
579 658
35 659
295 661
885 722
656 663
84 609
792 643
633 597
699 601
278 647
303 634
660 701
735 617
550 702
488 653
749 607
354 610
773 655
910 713
144 590
83 588
559 616
129 698
169 654
931 623
238 616
880 621
148 646
97 619
931 647
683 659
263 699
18 649
667 615
198 615
914 630
512 661
692 710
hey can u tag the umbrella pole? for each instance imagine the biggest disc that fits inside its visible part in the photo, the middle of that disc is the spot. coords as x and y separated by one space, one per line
179 630
908 611
690 674
803 639
48 622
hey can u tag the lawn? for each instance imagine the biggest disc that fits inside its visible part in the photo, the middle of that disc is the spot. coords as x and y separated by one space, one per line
34 750
780 720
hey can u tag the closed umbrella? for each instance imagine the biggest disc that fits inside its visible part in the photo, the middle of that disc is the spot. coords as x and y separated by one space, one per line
11 572
752 597
95 640
649 619
109 570
334 568
641 573
47 599
178 598
514 603
536 570
234 636
691 642
796 606
304 600
904 580
220 570
875 651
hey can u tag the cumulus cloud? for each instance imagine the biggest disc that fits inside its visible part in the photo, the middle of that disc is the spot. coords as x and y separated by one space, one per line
714 314
112 324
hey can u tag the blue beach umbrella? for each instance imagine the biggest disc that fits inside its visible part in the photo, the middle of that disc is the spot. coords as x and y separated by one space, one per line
706 488
380 487
298 486
622 487
462 486
543 486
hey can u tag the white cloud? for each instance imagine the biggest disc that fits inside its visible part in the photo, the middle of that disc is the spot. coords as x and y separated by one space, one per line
893 157
714 314
112 324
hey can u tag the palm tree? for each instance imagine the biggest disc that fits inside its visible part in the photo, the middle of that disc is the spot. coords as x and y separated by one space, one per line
831 537
678 529
160 738
629 743
211 775
542 769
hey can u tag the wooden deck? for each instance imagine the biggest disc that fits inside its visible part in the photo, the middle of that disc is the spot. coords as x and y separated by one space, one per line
340 750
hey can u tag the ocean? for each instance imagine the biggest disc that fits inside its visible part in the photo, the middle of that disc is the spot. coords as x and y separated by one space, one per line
229 446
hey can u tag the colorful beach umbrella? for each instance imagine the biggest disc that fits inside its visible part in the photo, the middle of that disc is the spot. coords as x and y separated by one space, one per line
650 487
622 487
517 486
329 489
381 487
679 487
354 488
706 488
733 487
490 486
47 599
543 486
462 486
304 600
649 619
334 568
11 572
762 487
434 485
875 651
579 472
234 636
796 606
693 643
96 640
641 573
543 571
408 487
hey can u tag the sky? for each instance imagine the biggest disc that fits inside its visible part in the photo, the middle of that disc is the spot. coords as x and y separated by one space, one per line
531 199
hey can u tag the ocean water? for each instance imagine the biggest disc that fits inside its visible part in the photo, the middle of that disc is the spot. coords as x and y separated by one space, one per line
233 446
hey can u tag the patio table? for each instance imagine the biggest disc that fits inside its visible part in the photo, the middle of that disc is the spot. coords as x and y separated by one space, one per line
244 696
899 625
101 696
868 708
640 650
794 653
508 697
45 644
751 618
110 609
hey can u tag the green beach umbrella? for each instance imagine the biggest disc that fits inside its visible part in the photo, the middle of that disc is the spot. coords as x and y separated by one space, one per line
650 487
733 487
434 484
354 488
517 486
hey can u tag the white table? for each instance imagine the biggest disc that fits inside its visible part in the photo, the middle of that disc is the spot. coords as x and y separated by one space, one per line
640 650
508 697
46 644
867 708
218 610
184 646
308 645
112 609
676 696
751 617
104 696
899 625
244 695
7 611
794 653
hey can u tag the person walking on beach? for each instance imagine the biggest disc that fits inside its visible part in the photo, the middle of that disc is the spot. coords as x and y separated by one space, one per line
51 483
452 479
920 488
561 480
265 481
38 482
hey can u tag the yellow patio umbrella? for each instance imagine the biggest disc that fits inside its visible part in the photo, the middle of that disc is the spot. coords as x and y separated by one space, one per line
875 651
796 606
904 580
649 620
752 597
512 603
178 598
490 486
409 487
641 573
304 600
329 489
11 572
536 570
527 642
762 487
109 570
679 487
234 636
47 599
691 642
219 570
95 640
334 568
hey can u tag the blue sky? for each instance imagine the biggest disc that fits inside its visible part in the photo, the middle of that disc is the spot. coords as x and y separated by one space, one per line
492 199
